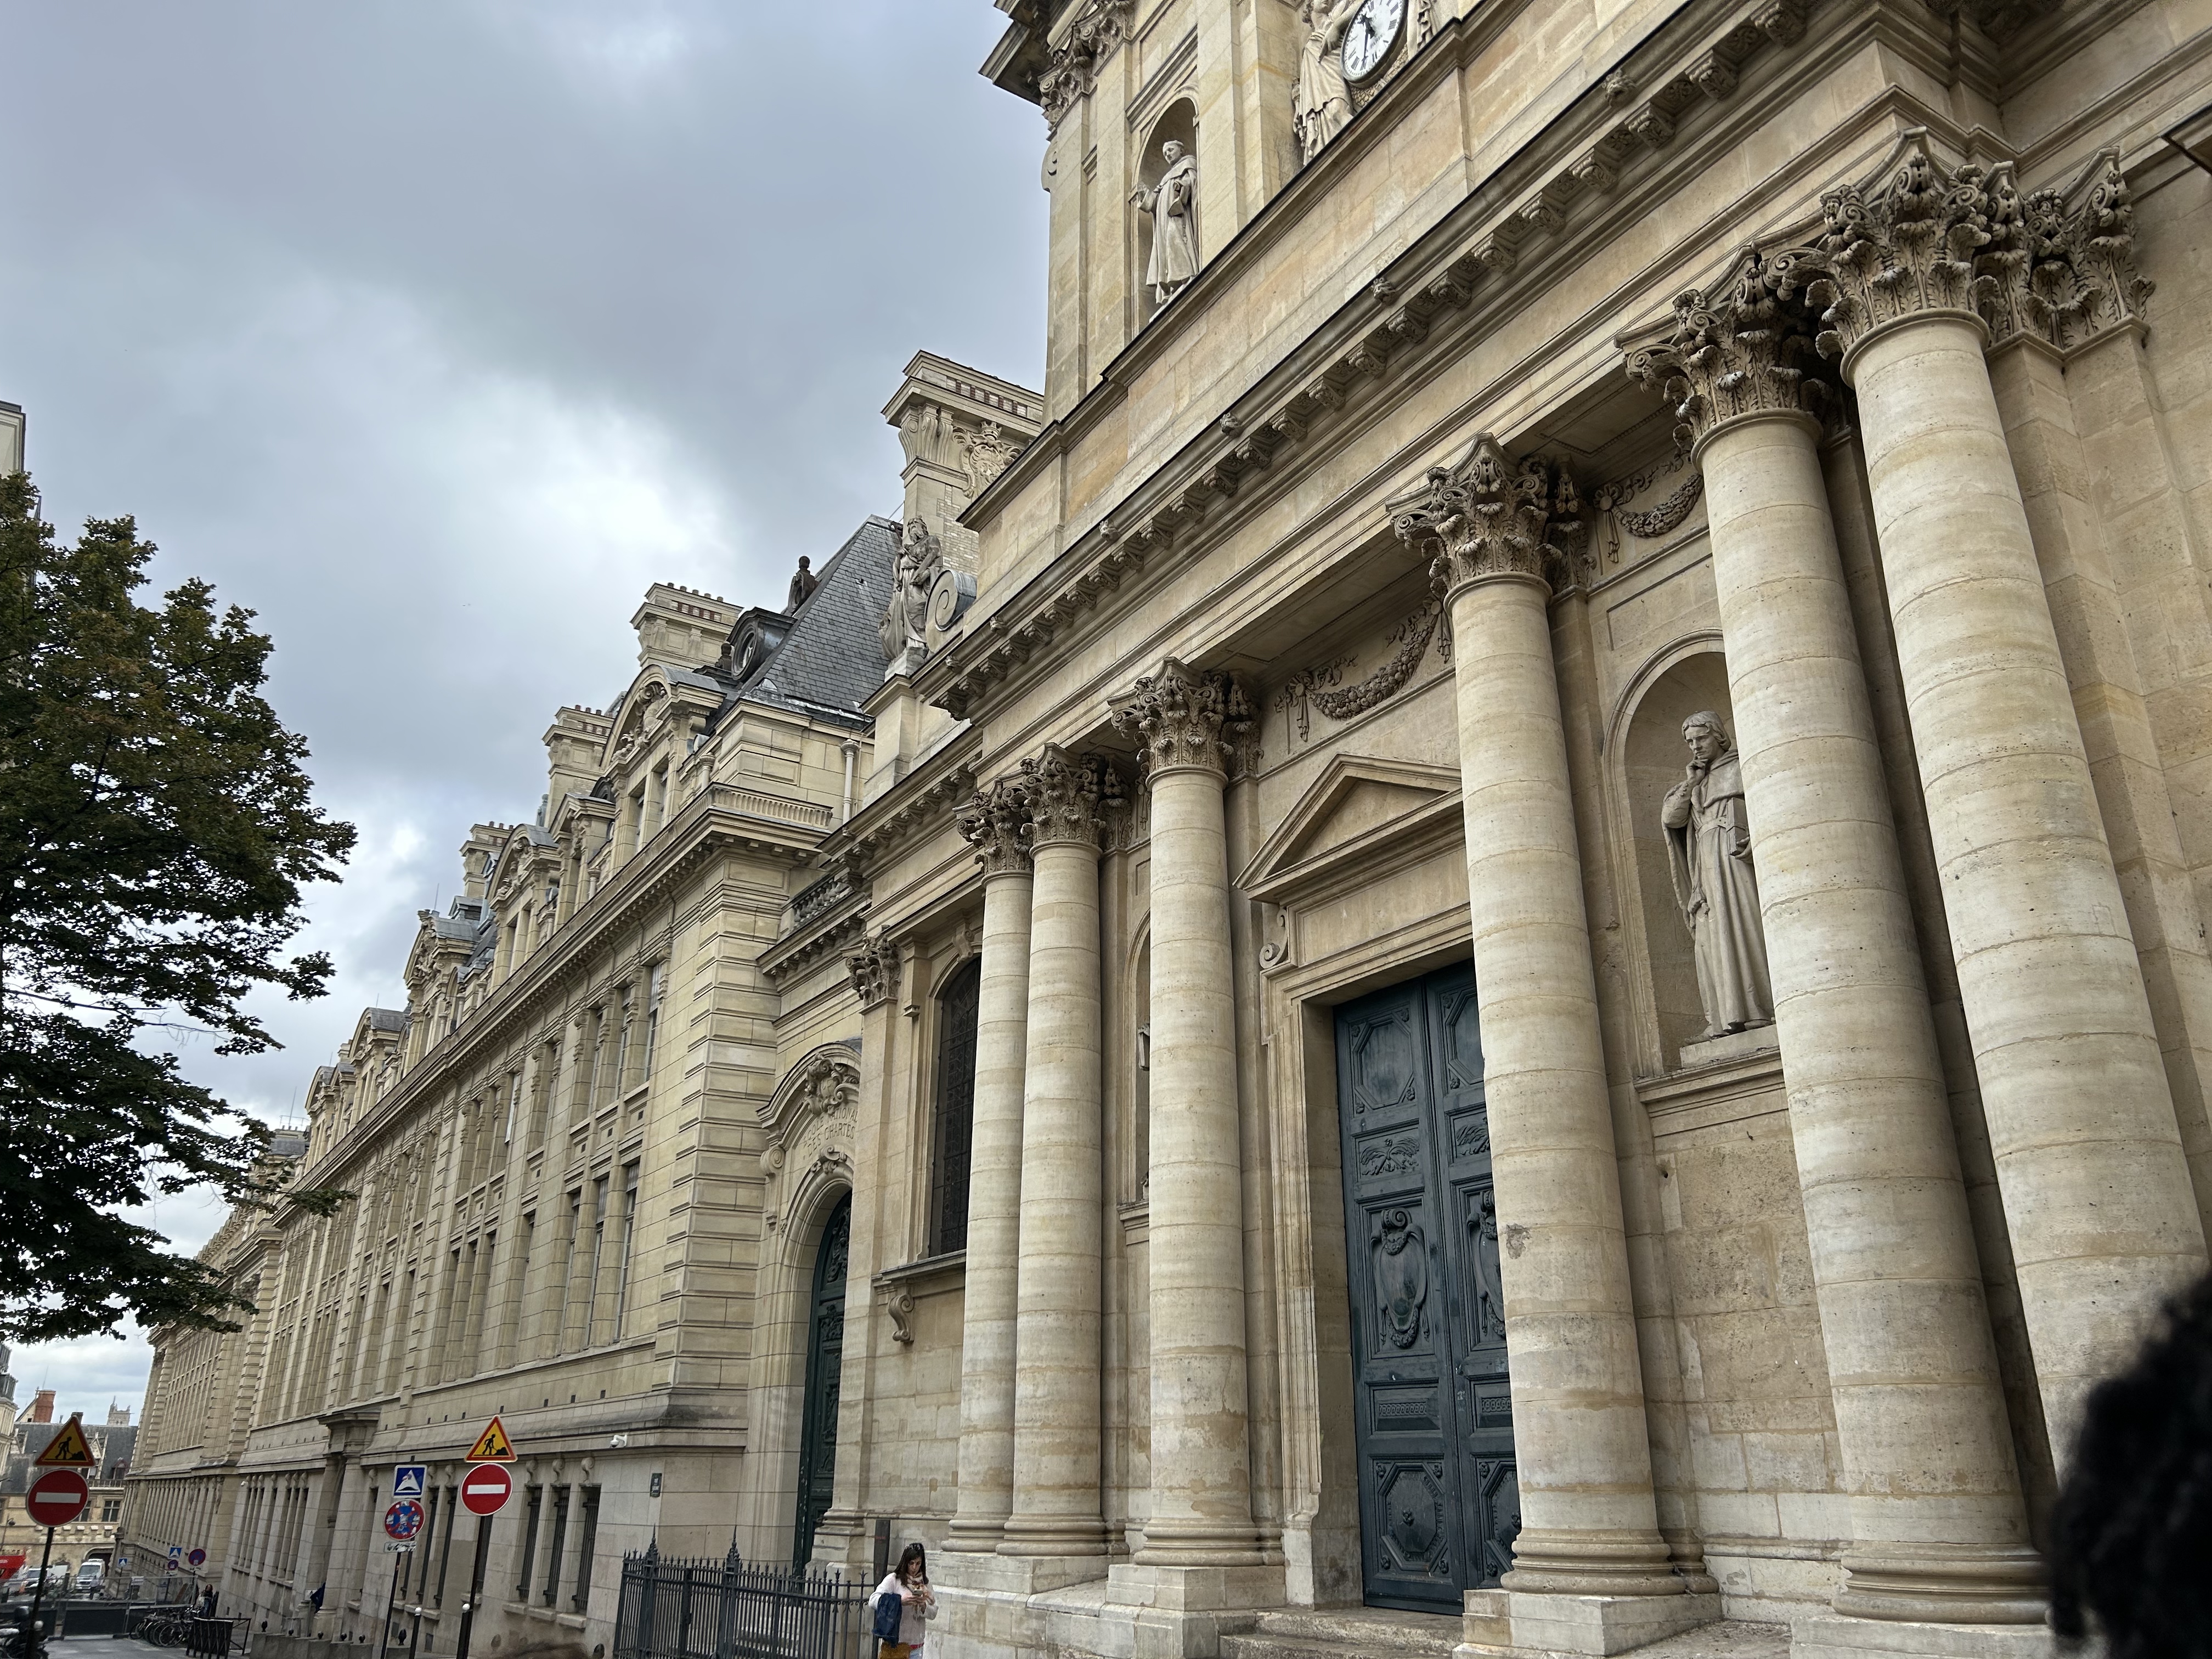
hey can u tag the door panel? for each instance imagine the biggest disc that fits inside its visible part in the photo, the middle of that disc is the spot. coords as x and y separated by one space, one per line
1434 1422
825 1354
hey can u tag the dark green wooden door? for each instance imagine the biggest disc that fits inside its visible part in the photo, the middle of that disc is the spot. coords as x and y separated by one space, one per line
1438 1505
825 1351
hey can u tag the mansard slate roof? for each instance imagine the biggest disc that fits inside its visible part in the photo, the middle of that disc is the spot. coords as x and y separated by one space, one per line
386 1019
831 660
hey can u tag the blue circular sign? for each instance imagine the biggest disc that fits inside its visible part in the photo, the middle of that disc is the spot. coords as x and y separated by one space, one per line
403 1519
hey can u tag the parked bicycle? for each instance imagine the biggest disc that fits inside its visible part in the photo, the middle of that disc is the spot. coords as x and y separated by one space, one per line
165 1628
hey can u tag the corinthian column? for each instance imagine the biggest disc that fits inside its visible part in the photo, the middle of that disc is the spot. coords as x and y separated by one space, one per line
1938 1529
1056 1390
997 823
2081 1124
1201 1510
1589 1522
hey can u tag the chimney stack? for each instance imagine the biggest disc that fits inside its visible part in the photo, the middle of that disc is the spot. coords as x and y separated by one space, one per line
42 1407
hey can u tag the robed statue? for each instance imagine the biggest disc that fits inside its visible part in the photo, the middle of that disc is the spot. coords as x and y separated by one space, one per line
1708 853
1321 103
906 619
1173 205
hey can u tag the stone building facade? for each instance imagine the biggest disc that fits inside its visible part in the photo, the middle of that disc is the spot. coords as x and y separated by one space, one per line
1522 937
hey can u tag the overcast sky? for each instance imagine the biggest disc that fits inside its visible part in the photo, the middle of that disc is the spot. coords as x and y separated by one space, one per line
434 331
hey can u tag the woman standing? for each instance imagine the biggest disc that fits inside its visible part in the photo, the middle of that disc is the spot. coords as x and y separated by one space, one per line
917 1603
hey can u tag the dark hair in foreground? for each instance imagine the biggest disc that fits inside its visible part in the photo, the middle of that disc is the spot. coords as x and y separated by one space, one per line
914 1555
2132 1536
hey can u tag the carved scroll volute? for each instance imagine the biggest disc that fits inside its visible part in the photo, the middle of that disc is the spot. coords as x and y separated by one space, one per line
1184 718
998 822
1491 517
1070 798
1734 352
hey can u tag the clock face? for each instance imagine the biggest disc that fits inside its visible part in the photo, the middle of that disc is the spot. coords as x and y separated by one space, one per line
1373 30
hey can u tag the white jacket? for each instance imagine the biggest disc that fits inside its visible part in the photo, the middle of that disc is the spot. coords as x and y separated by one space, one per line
914 1613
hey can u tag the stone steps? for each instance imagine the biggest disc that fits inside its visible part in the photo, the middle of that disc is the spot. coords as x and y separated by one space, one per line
1346 1633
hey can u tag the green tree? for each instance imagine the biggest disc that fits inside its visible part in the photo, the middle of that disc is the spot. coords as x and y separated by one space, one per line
155 830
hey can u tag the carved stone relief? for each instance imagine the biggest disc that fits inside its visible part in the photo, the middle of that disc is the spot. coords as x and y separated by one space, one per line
1400 1253
809 1123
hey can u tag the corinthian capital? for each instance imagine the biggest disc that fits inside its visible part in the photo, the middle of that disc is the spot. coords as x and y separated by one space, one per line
1906 244
1184 718
1734 351
875 967
1071 67
998 822
1491 516
1070 796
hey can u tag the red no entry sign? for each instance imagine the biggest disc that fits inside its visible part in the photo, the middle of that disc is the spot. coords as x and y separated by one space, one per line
486 1488
57 1497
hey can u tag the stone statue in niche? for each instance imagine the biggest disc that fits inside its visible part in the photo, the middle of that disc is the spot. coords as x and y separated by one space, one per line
1173 205
1709 853
906 619
1321 103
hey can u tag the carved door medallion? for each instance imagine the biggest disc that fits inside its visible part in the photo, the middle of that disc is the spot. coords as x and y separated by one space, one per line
1439 1507
825 1352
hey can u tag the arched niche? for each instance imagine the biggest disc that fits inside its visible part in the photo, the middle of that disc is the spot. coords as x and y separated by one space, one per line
1652 762
1178 123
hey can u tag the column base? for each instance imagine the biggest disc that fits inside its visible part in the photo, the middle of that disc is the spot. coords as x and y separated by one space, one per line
1836 1637
1603 1624
1168 1545
1927 1584
1053 1536
974 1536
1142 1583
1592 1563
989 1573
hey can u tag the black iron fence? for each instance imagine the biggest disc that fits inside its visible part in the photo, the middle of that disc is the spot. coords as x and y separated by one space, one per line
725 1609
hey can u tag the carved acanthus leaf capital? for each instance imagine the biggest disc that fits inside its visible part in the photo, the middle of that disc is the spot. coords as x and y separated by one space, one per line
1070 798
1183 718
1071 67
1492 516
875 970
1907 244
1735 350
999 822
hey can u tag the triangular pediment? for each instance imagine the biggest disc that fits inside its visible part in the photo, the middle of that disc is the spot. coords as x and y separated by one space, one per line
1355 806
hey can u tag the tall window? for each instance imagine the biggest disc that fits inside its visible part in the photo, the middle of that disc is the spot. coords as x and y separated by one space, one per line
653 982
628 1244
953 1121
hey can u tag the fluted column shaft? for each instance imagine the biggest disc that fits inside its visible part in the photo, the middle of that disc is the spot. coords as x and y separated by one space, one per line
987 1349
1057 1398
1938 1527
2081 1124
1201 1495
1589 1520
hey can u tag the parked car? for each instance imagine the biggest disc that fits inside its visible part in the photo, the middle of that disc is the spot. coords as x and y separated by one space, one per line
92 1576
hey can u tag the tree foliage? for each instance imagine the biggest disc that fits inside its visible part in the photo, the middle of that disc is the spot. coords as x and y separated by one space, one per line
155 832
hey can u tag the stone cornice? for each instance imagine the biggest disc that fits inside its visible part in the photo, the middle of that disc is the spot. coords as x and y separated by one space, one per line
917 804
716 820
1584 154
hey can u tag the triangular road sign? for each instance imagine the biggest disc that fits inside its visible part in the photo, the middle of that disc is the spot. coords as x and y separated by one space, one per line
69 1450
492 1445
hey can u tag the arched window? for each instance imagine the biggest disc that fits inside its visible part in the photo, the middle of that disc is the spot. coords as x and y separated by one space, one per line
953 1117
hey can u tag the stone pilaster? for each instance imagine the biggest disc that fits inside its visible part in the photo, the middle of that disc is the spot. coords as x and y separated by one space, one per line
1938 1528
1590 1566
2098 1197
1057 1426
1201 1499
996 822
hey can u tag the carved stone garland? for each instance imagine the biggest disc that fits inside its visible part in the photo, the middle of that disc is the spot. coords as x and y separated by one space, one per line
1319 687
1185 718
1491 516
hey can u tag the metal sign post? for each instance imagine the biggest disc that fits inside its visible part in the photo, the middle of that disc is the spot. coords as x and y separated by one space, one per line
36 1642
484 1492
475 1586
